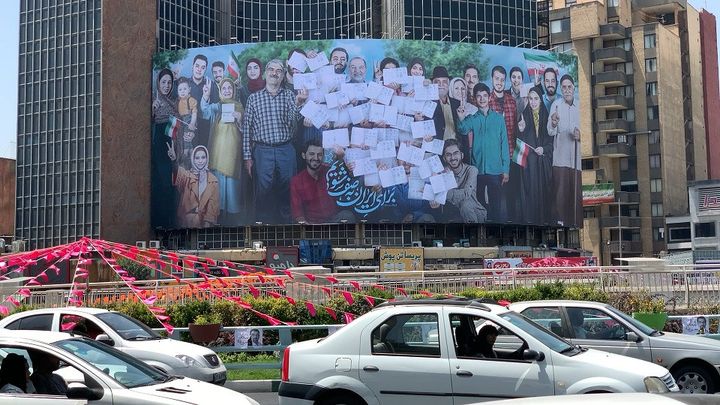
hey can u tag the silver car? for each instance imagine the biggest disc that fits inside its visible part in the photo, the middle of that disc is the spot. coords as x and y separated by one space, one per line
692 360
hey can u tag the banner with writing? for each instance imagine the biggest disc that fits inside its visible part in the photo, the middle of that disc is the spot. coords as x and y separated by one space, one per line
401 259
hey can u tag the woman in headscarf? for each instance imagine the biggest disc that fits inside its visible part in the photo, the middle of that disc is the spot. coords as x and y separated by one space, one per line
198 189
225 147
535 176
458 91
255 82
163 195
416 68
14 374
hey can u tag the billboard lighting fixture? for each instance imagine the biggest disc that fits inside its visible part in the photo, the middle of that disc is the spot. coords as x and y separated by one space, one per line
258 223
299 34
484 39
406 34
501 41
553 48
466 37
539 44
173 46
444 36
521 44
424 36
279 36
211 40
342 35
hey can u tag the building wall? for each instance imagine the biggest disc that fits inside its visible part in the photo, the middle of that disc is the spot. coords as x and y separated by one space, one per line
694 62
711 91
128 40
7 197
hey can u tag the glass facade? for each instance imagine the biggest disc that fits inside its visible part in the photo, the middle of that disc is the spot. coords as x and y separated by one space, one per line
58 140
182 21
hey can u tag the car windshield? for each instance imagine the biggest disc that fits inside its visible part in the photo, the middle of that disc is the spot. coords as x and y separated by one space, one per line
552 341
634 322
128 328
126 370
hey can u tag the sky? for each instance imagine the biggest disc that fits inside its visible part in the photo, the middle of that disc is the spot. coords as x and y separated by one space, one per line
9 29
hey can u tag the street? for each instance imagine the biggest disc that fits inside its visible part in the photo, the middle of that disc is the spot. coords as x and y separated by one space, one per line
264 398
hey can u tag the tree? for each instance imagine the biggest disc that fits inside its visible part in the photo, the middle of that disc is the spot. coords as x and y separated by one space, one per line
277 50
454 56
166 59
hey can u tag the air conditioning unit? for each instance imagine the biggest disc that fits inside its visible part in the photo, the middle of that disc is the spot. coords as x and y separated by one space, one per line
18 246
141 244
257 244
154 244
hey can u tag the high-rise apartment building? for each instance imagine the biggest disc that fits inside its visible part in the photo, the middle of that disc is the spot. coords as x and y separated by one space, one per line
641 70
83 151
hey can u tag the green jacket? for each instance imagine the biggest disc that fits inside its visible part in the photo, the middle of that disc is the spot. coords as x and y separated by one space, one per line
490 144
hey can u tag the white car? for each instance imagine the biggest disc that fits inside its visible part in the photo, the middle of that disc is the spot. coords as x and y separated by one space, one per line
127 335
108 376
693 360
616 399
425 352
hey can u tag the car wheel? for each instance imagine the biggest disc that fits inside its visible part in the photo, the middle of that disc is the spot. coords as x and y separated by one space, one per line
338 399
694 380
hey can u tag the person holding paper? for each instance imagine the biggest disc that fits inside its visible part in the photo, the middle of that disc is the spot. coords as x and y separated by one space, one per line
533 156
489 148
163 108
271 116
225 149
339 60
445 116
564 126
290 71
502 103
410 209
253 79
463 198
387 63
309 199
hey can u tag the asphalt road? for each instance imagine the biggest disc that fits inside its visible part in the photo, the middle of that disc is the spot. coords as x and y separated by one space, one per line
264 398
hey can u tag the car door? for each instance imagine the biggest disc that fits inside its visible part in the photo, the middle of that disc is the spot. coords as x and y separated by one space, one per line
403 360
32 322
476 378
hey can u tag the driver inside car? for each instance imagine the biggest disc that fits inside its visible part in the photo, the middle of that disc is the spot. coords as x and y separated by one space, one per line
486 339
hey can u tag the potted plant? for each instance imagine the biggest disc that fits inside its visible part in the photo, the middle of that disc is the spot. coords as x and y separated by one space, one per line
650 311
205 328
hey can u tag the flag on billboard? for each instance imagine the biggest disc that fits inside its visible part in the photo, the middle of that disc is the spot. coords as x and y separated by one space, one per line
173 127
537 63
594 194
521 152
232 66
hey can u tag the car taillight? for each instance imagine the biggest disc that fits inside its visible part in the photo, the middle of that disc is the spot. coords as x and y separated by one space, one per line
285 367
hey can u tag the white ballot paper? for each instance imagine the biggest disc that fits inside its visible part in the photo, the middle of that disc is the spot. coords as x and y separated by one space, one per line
298 61
415 188
390 115
436 146
371 180
337 99
428 195
428 109
315 113
377 112
393 176
384 149
316 95
227 112
318 61
395 75
410 154
443 182
355 91
364 166
333 114
359 113
413 83
430 166
420 129
306 81
401 103
429 92
355 154
379 93
387 134
336 137
404 123
363 137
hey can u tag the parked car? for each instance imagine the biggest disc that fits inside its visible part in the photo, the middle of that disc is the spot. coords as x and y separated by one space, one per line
128 335
692 360
425 352
101 375
616 399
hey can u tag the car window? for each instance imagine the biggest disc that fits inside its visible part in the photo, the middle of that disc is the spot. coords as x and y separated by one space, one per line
36 322
128 328
14 325
591 323
548 317
479 338
407 335
79 325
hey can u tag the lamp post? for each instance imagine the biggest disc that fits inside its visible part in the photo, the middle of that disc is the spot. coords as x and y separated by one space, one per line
620 249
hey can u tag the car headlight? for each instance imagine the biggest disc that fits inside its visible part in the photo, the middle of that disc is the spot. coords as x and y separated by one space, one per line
655 385
189 361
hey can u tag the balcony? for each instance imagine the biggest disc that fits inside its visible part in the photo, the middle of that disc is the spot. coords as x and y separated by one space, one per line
613 126
612 31
616 150
628 246
660 6
611 78
611 55
625 222
628 197
613 102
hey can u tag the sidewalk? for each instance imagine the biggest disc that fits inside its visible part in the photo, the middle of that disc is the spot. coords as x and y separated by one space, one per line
245 386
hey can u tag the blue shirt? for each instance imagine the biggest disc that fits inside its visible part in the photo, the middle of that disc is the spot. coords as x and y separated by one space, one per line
490 145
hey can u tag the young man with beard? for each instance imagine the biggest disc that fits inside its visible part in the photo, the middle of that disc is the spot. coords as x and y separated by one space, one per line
472 77
339 60
309 199
464 197
502 103
550 83
268 126
516 83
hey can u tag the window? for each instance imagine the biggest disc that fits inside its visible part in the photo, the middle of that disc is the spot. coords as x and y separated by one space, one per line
35 322
651 88
656 210
655 162
588 164
654 137
558 26
549 317
79 325
653 112
408 335
659 234
478 338
589 212
651 65
649 41
590 323
655 185
705 230
613 3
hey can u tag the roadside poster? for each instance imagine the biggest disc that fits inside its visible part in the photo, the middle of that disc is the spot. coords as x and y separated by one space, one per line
401 259
281 258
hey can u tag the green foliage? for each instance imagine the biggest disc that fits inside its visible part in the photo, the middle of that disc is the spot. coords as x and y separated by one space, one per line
207 319
137 310
135 269
185 313
585 292
167 58
637 302
551 291
454 56
248 357
569 62
514 295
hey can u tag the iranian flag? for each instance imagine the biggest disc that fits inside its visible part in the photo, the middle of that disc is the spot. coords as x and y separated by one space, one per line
173 127
232 66
536 64
521 152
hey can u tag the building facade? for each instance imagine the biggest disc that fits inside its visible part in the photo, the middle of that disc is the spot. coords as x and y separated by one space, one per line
7 198
641 68
711 90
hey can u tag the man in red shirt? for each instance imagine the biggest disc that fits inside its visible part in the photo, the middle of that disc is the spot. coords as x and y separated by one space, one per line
309 199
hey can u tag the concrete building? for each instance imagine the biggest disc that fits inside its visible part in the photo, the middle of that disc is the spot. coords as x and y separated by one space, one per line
641 69
7 199
711 90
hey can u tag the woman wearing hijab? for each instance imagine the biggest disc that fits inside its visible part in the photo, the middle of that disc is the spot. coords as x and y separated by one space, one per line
416 68
225 147
255 82
198 189
535 177
458 91
163 108
14 374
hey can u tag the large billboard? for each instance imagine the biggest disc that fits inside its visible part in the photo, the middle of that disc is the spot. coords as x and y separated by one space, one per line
343 131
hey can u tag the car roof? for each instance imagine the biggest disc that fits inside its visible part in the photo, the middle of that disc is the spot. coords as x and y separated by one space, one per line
454 302
36 335
559 303
84 310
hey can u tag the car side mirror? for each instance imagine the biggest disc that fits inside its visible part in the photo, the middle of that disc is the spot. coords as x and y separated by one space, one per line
632 337
103 338
529 354
81 391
